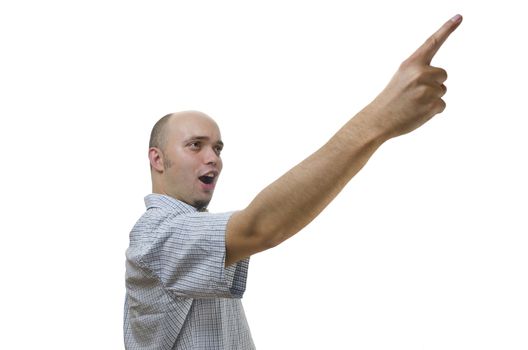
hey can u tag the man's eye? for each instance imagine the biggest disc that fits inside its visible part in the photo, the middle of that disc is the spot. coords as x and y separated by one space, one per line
218 150
194 145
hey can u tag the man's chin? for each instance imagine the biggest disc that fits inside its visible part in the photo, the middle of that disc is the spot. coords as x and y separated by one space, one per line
201 204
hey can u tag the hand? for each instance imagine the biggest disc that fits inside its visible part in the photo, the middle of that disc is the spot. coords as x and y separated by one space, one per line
414 95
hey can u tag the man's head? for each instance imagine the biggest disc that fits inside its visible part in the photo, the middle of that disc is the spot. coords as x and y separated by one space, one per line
184 154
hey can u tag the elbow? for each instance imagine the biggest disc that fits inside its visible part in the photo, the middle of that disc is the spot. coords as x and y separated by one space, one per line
246 236
252 233
269 236
268 240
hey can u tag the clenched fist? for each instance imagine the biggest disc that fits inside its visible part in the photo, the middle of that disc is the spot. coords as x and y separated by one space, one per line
414 94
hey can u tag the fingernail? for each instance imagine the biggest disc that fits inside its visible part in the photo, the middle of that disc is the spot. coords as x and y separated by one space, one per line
456 18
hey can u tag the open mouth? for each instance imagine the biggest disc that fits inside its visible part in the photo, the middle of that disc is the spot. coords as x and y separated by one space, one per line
207 178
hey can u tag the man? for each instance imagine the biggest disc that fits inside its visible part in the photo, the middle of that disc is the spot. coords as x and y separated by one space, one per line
187 268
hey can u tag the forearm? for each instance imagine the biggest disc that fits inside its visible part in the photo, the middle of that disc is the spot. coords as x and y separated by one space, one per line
295 199
412 97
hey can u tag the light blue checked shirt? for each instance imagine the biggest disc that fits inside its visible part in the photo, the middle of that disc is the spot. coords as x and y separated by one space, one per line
179 295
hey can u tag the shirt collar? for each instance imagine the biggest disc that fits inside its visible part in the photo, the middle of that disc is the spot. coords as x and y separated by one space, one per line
155 200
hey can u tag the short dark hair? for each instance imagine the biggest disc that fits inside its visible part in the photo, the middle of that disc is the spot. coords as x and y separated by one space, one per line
158 136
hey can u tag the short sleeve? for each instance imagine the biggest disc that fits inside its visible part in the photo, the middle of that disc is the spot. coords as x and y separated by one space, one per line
188 257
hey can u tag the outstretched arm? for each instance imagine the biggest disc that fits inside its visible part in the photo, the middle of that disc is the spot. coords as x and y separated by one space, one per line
412 97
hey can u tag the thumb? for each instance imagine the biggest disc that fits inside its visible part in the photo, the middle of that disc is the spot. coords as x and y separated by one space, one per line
430 47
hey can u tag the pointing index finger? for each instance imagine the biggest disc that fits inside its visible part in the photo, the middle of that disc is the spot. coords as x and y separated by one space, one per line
430 47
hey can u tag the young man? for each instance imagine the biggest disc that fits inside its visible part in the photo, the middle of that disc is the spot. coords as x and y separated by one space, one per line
187 268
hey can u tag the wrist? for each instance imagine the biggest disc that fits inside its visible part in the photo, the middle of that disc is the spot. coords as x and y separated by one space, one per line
370 124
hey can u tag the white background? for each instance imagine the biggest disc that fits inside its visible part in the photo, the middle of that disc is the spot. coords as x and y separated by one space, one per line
426 248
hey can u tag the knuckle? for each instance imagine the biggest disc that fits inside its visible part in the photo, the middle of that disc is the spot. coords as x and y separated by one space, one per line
422 93
433 42
441 74
443 90
405 64
441 105
415 78
421 74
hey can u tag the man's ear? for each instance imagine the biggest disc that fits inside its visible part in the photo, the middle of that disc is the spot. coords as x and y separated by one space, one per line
156 159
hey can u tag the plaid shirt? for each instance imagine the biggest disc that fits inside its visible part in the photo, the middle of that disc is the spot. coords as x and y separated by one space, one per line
179 295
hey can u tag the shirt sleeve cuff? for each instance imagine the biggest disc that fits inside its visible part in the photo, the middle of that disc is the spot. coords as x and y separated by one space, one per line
236 276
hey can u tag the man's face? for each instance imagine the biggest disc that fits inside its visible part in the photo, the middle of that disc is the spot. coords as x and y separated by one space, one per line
192 160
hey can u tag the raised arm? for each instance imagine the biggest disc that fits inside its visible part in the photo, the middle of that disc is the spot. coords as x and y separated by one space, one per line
412 97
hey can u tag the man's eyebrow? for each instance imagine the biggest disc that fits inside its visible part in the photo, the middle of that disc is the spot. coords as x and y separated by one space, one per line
203 138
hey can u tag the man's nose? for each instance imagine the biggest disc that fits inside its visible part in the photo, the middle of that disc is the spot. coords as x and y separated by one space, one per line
211 157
